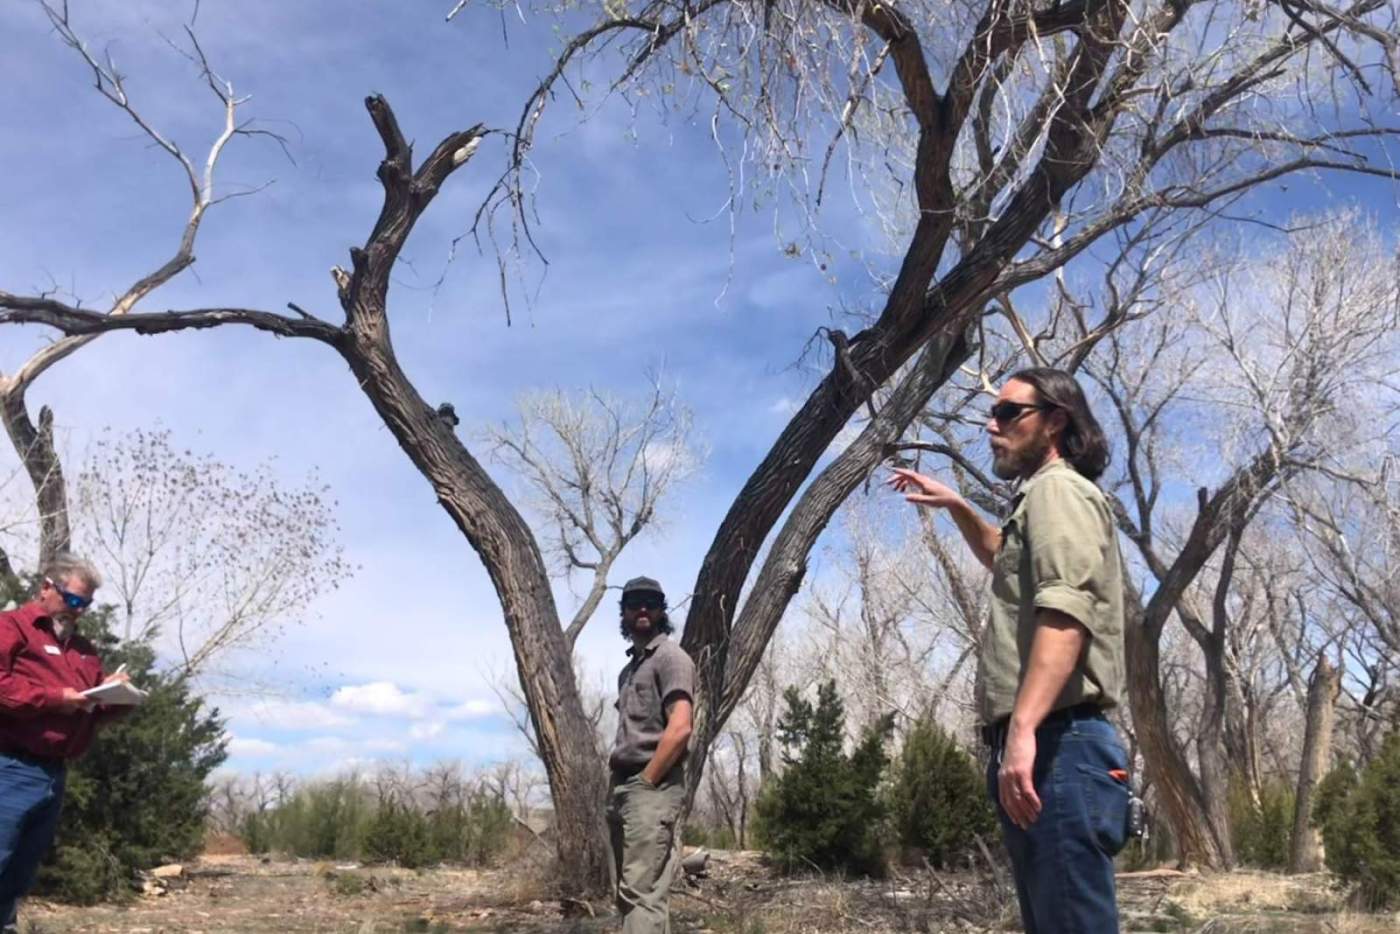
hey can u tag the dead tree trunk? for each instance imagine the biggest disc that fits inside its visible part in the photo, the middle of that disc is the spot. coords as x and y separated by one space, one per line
36 450
1305 850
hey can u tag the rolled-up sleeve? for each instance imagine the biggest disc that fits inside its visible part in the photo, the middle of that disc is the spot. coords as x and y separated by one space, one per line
1071 539
675 674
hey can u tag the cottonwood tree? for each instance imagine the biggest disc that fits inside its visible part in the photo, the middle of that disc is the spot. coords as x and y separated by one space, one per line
1309 342
885 628
1022 135
596 470
1350 524
205 558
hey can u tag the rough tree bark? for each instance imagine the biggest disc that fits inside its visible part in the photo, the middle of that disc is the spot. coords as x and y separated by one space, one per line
1200 840
1305 849
36 451
492 525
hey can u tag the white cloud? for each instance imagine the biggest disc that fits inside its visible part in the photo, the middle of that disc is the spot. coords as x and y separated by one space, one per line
428 730
248 746
473 710
381 698
297 715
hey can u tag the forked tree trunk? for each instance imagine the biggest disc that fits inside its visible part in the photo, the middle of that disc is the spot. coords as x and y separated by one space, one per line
1305 850
36 451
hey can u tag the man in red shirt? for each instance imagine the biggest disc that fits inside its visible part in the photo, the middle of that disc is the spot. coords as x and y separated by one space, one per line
44 718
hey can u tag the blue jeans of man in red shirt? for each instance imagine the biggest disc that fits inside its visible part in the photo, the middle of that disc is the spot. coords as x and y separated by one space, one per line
31 796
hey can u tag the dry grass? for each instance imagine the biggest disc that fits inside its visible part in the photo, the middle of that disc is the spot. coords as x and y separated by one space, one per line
232 894
1246 902
1215 894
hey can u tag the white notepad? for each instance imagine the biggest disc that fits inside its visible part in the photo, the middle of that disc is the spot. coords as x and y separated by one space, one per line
119 693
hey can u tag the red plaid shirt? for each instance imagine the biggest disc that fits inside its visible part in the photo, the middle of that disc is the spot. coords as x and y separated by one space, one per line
34 669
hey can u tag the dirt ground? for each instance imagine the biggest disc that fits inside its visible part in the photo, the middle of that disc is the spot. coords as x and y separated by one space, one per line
243 894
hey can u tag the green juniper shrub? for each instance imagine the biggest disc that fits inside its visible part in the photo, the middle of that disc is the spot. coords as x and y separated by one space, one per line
1359 813
938 796
1261 832
487 828
323 820
824 811
341 819
138 797
398 833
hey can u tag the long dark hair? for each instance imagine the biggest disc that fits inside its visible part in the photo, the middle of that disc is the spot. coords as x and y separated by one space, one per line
1082 443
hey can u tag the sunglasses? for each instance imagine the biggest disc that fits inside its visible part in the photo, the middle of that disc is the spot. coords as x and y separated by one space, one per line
71 600
1004 413
642 601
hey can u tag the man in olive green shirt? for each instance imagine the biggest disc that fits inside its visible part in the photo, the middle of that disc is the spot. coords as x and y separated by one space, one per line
655 690
1051 656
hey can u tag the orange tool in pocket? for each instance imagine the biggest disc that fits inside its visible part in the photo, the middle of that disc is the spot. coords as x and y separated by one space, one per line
1118 775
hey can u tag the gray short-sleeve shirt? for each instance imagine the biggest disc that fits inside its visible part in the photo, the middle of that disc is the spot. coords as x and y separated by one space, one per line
659 673
1059 551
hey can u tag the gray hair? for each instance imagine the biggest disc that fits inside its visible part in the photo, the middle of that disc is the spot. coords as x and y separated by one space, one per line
66 566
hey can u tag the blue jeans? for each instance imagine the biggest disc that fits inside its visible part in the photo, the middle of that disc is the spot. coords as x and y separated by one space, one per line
1063 864
31 795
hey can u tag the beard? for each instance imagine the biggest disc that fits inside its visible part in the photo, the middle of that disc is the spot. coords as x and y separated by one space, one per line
1010 465
659 623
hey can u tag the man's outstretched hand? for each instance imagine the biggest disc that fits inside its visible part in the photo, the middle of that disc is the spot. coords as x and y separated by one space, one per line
922 490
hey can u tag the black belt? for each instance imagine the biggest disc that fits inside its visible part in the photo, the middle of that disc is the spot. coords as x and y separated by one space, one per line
24 755
994 734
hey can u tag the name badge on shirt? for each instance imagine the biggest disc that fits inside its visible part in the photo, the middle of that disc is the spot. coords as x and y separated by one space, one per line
53 650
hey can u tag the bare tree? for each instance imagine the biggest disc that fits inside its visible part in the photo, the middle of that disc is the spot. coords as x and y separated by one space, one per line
35 445
208 558
1350 525
885 629
598 470
1054 127
1306 346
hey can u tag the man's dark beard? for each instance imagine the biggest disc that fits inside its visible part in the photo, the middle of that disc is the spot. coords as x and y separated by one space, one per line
659 624
1022 464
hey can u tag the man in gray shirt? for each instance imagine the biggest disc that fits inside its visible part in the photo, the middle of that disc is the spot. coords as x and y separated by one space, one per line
655 692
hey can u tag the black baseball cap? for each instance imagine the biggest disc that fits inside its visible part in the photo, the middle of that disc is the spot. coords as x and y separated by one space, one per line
642 585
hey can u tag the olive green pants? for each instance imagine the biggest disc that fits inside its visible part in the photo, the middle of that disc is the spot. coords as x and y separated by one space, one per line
642 818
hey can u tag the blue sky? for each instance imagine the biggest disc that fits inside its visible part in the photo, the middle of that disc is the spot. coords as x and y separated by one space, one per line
398 663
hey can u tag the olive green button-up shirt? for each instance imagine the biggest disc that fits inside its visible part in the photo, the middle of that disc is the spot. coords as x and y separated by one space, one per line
1058 552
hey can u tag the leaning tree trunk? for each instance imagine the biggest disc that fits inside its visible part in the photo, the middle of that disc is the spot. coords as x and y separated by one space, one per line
1305 850
495 529
36 451
491 524
1168 771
